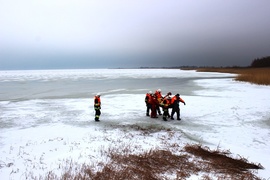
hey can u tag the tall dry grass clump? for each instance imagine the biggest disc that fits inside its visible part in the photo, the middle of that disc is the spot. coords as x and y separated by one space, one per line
259 76
170 162
163 164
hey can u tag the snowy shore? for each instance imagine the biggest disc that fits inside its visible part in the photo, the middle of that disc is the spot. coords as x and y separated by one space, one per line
50 133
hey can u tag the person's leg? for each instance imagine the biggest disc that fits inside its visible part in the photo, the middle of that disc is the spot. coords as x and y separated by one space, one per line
148 109
152 111
97 115
158 110
173 111
165 114
178 114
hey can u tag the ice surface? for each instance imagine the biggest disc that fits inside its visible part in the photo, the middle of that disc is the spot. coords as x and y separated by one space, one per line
41 134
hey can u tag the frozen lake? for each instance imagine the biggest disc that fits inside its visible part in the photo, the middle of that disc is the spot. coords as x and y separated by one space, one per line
47 116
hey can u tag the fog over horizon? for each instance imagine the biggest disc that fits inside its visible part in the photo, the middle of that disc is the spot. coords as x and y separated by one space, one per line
128 34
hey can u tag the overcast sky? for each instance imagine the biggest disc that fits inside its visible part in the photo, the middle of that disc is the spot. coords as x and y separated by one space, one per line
132 33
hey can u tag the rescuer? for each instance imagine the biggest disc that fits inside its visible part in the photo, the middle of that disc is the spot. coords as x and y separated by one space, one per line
147 102
159 99
175 106
97 106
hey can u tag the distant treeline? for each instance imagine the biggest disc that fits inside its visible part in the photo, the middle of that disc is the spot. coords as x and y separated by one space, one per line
261 62
256 63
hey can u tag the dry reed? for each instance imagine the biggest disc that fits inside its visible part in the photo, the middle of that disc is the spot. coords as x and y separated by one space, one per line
163 164
259 76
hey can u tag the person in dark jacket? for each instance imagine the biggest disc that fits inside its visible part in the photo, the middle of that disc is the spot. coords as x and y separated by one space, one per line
175 106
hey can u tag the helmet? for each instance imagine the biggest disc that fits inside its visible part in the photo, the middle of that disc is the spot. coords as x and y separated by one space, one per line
159 90
98 94
150 92
177 95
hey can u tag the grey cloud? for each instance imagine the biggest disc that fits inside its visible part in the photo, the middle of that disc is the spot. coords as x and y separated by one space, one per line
132 33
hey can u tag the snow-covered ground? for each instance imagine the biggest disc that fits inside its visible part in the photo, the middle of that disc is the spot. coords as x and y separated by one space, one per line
44 134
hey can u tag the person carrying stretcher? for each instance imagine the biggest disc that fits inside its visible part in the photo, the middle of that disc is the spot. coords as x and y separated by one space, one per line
175 106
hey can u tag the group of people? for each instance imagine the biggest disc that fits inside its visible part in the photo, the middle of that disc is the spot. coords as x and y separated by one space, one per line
155 101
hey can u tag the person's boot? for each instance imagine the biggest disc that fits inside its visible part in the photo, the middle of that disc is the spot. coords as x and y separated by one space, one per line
178 119
164 118
96 119
172 118
147 114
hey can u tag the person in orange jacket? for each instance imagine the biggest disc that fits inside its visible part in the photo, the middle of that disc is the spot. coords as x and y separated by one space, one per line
97 106
147 102
166 104
154 103
175 106
159 99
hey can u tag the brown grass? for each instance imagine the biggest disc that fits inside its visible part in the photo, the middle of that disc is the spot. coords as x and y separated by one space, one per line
259 76
163 164
222 162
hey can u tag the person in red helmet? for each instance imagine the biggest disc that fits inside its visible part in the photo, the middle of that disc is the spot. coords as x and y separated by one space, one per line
175 106
97 106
